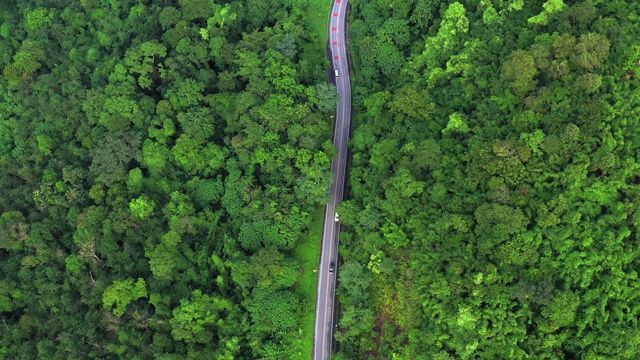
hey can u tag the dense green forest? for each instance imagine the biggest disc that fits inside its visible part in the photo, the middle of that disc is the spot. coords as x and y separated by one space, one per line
495 185
160 162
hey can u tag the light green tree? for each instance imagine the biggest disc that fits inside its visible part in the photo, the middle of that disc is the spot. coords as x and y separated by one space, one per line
520 71
589 82
122 293
534 140
457 124
441 47
355 280
155 156
411 101
591 51
27 60
491 16
550 7
142 207
560 312
38 18
143 59
185 94
195 320
134 181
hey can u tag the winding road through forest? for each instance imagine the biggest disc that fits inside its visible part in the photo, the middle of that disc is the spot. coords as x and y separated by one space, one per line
326 278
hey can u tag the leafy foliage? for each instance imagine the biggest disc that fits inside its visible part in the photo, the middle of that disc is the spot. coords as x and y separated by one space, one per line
121 293
160 162
492 193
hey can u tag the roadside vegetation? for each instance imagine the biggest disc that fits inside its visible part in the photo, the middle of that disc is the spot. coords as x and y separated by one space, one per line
494 206
317 21
307 254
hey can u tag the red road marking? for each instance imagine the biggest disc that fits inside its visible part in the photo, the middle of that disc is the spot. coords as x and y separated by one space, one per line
335 14
334 43
334 29
338 1
336 57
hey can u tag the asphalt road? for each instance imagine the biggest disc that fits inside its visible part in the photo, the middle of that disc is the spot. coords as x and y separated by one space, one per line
326 280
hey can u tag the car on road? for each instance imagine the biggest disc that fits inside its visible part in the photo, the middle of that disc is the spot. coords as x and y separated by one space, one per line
337 218
331 268
336 71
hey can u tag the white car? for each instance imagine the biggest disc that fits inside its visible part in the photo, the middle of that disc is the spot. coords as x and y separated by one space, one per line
337 219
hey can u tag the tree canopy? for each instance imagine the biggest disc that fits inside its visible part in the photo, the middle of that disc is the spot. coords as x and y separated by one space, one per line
492 207
160 162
